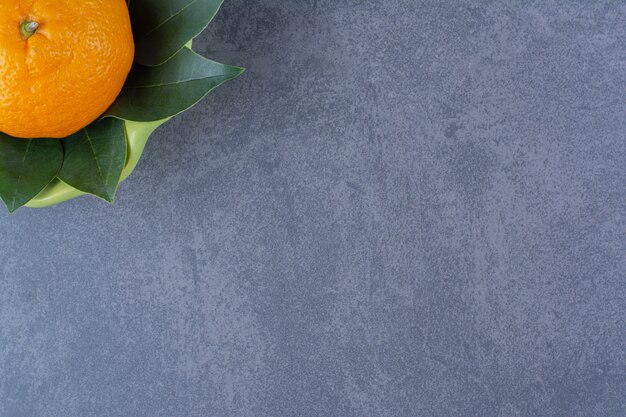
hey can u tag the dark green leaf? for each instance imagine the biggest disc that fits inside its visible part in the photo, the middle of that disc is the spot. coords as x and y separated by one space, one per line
155 93
162 27
26 167
95 157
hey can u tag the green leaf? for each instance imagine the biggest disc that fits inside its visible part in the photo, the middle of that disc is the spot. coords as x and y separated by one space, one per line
27 166
162 27
155 93
95 157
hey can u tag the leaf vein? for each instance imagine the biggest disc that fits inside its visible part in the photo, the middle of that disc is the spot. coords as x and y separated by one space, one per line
175 83
95 158
170 18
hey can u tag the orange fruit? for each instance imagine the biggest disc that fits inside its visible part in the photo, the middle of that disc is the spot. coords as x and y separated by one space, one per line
62 63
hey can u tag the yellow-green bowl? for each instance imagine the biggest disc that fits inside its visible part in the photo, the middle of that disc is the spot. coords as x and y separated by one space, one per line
57 191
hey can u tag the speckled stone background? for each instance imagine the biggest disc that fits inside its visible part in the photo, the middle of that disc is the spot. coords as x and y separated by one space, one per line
403 208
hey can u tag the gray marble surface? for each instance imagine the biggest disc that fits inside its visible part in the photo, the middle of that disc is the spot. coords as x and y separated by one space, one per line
403 208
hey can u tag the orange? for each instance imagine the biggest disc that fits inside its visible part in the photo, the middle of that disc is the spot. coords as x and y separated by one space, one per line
62 63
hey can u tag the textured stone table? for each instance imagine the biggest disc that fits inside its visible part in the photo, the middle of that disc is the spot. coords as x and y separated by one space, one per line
403 208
